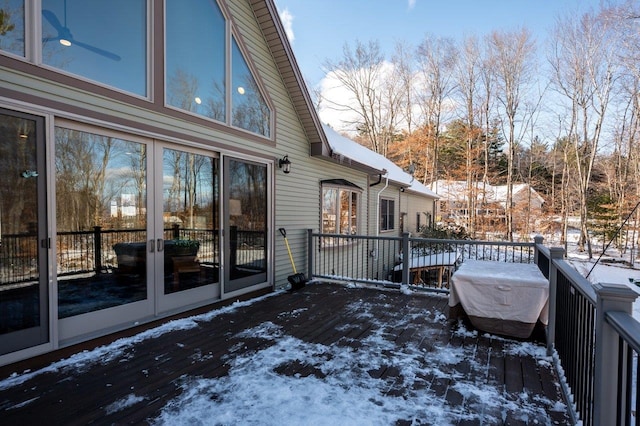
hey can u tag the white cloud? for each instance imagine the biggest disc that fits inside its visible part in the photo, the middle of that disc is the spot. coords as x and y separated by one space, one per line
338 107
287 21
412 4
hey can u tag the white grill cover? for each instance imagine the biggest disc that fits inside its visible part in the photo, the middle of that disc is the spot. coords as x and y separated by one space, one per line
501 290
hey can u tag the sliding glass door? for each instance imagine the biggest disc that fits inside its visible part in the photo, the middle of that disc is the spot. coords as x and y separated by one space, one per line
102 240
24 313
188 230
245 223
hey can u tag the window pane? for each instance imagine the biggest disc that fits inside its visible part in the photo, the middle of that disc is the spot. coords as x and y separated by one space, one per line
345 210
105 41
19 290
249 110
329 211
190 206
195 57
247 220
12 26
354 213
101 220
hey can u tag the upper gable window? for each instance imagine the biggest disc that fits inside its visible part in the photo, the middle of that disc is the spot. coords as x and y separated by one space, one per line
197 78
249 109
195 57
105 41
12 27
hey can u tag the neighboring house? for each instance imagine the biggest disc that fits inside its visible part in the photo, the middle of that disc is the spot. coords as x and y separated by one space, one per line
147 170
490 202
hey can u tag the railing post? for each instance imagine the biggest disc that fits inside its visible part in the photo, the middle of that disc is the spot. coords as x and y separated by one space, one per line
97 248
176 231
406 259
610 297
555 253
537 240
309 254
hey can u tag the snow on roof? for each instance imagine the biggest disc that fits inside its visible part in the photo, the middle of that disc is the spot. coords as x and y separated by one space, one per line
457 190
345 147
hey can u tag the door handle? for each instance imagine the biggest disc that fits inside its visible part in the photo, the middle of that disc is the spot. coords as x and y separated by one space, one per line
160 244
152 246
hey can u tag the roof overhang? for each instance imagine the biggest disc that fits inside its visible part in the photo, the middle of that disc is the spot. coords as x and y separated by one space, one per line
267 16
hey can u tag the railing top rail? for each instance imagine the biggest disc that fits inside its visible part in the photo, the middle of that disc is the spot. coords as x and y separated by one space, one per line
626 326
544 249
356 237
427 240
579 282
473 242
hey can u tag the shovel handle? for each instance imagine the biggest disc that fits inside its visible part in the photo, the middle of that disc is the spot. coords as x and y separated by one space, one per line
283 232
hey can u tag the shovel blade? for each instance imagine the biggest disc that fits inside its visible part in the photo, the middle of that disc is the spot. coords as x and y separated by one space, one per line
297 281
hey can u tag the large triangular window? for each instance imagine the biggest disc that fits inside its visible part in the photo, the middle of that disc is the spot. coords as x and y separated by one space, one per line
198 79
249 110
195 58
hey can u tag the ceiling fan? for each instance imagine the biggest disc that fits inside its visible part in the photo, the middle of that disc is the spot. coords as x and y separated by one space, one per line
66 38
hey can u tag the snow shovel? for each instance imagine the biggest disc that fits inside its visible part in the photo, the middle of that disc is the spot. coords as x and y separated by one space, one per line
297 280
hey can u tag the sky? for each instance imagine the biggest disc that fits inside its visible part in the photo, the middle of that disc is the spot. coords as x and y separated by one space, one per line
319 29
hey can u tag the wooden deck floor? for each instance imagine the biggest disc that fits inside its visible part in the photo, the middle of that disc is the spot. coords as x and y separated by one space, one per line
442 371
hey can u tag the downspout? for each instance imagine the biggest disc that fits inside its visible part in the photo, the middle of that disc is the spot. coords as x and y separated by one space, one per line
378 202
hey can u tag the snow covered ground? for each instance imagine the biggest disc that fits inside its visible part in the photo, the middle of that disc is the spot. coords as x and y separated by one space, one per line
341 392
616 273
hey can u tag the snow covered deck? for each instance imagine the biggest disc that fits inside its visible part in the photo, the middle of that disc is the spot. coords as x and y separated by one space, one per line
327 354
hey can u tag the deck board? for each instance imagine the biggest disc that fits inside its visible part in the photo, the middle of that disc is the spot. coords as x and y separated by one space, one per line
413 327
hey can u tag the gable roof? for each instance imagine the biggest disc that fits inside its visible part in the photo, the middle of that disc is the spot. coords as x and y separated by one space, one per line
324 140
269 21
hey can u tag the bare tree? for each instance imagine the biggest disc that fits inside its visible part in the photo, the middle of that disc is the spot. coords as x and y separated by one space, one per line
583 66
436 60
374 97
512 54
466 77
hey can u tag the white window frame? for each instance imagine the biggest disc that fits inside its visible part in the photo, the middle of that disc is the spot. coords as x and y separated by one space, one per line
352 216
390 213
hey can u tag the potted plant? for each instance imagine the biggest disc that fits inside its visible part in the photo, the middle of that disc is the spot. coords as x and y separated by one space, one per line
180 247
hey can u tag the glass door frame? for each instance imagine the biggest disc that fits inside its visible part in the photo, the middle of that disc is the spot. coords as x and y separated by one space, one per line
40 335
78 328
198 296
244 285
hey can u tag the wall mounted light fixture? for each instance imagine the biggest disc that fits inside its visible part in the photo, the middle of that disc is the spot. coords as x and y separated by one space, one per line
285 164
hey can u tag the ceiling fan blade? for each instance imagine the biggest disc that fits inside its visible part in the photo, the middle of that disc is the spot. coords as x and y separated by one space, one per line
97 50
53 20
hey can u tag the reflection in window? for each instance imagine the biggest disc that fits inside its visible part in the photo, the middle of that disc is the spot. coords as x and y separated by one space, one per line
101 221
247 197
105 41
339 211
249 110
190 206
12 26
195 57
387 214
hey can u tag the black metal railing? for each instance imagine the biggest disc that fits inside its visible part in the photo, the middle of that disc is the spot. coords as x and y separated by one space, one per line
628 330
576 337
574 331
80 252
381 260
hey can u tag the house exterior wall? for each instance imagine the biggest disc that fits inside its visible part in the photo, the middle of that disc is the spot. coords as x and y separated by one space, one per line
417 204
295 197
